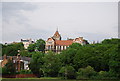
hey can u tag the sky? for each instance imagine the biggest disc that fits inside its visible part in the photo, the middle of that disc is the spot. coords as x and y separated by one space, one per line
94 21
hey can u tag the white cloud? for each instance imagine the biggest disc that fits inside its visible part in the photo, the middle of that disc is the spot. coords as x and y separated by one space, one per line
94 21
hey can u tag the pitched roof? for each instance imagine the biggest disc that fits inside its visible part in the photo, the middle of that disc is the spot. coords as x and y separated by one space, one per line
64 42
50 39
56 33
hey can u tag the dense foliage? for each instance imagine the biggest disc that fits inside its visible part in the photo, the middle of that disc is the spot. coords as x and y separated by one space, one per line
12 49
25 72
37 63
9 68
101 60
91 61
67 72
38 46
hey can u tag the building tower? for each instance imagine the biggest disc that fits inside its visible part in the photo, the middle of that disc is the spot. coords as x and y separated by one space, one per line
56 36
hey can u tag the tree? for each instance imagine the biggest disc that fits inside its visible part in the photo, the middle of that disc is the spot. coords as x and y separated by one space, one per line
68 72
82 57
4 71
114 61
75 46
101 59
40 45
1 45
51 65
87 72
111 41
12 49
19 46
98 59
24 53
67 56
31 48
36 63
9 68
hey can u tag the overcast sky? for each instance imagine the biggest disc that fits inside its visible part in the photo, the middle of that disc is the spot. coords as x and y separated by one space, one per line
94 21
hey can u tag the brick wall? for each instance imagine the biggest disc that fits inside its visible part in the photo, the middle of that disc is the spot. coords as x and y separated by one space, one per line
19 76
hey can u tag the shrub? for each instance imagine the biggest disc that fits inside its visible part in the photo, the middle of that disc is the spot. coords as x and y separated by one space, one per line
67 72
25 72
4 70
85 73
103 73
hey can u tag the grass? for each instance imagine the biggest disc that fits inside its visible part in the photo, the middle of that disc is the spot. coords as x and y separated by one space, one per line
46 79
50 78
34 79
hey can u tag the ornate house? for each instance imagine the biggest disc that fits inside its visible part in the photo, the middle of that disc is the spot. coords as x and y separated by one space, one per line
55 43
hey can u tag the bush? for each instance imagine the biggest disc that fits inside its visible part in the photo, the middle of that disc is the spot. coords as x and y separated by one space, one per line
67 72
103 73
25 72
85 73
4 70
9 68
